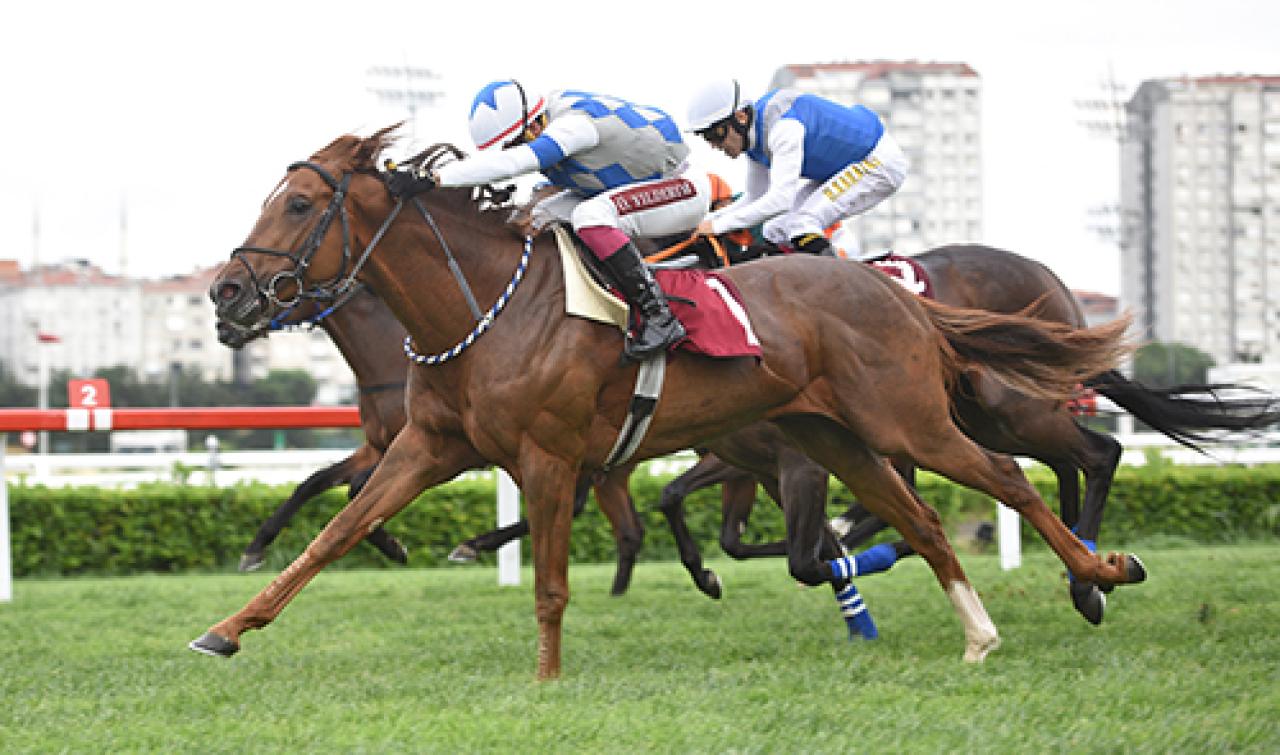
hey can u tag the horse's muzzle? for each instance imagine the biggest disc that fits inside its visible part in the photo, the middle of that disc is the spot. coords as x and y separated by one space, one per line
237 305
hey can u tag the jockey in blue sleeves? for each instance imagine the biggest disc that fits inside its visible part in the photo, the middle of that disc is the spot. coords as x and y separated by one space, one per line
622 169
812 161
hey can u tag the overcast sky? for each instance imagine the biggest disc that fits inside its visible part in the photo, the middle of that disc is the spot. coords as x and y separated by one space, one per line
187 114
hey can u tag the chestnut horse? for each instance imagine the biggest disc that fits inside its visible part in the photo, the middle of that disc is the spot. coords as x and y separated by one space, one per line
854 370
361 327
1006 420
371 339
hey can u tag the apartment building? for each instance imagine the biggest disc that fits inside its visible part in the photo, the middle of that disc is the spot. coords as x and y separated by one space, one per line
1200 197
934 110
102 320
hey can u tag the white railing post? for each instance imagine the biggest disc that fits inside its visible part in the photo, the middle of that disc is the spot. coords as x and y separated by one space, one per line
6 563
1010 534
508 514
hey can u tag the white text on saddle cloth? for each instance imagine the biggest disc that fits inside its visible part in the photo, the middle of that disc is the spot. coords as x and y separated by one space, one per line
902 272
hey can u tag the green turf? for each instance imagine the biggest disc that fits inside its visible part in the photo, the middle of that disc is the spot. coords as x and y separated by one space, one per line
443 660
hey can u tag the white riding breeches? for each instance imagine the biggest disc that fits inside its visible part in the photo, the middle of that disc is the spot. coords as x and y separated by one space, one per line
851 191
645 209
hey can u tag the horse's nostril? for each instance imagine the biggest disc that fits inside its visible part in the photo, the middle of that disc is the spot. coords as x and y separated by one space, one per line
228 291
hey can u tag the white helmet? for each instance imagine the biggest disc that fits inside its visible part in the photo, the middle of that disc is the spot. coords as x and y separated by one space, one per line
500 112
715 102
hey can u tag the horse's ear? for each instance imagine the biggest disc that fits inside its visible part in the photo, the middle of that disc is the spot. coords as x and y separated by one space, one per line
369 149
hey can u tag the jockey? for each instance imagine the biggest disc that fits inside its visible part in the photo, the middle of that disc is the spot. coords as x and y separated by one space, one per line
622 171
812 161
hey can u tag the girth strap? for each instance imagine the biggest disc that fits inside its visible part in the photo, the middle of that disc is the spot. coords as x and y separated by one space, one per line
640 412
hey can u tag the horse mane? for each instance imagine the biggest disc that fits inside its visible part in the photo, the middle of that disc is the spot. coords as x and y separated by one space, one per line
359 154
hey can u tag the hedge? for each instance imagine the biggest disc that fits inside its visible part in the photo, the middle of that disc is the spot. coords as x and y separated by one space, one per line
172 528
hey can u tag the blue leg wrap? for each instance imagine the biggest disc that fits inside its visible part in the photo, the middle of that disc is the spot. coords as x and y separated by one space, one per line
875 559
1092 545
856 615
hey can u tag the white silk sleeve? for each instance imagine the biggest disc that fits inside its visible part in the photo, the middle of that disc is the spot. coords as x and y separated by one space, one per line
781 181
487 167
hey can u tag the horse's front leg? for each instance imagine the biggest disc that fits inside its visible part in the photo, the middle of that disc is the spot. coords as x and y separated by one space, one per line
547 482
416 460
737 499
709 470
613 495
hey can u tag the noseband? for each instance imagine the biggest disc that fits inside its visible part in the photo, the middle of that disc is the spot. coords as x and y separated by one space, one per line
342 286
301 258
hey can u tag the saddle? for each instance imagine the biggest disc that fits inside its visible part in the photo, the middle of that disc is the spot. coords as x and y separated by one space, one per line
707 303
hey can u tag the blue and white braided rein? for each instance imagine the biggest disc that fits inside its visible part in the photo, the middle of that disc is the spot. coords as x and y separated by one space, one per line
485 322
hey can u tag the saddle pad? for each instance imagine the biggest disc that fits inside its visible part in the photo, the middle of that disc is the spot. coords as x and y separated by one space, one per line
716 322
583 297
906 272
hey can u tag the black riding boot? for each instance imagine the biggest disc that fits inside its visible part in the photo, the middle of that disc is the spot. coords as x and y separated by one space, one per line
814 243
660 329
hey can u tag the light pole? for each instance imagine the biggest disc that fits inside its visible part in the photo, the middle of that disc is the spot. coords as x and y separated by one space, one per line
45 340
405 86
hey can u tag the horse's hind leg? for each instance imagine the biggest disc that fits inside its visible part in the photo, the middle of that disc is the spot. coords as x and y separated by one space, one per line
949 453
873 480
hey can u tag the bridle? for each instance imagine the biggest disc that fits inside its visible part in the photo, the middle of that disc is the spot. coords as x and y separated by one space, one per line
335 288
342 286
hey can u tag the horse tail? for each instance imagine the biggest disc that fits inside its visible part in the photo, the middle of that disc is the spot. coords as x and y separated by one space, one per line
1191 413
1038 358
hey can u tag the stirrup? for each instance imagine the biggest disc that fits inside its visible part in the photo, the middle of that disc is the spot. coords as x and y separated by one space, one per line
667 337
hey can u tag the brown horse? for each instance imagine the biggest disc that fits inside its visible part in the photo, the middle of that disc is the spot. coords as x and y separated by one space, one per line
854 369
371 340
1005 420
361 328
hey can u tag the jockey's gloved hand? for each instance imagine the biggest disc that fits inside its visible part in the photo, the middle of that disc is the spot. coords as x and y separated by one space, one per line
407 182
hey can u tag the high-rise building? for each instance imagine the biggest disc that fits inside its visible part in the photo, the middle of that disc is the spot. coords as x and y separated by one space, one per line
1200 200
934 112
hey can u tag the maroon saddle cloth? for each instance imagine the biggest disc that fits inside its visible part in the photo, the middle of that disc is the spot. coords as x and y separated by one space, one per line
906 272
710 308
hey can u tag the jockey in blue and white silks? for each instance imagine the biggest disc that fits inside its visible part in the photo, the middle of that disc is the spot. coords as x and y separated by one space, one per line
813 162
623 171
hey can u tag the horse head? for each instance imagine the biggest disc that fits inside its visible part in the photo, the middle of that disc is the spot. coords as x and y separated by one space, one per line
301 247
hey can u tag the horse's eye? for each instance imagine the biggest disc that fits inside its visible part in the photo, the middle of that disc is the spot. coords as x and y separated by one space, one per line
299 205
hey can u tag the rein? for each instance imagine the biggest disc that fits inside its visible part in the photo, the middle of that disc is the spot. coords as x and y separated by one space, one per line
682 245
485 321
344 285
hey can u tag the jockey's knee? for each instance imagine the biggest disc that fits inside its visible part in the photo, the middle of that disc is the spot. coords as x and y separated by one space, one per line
775 232
593 212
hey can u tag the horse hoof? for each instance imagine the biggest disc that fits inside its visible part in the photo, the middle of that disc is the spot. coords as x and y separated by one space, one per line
214 644
710 584
463 554
1135 572
251 561
976 651
1089 601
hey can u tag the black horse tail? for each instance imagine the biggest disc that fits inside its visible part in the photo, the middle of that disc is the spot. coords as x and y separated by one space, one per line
1191 414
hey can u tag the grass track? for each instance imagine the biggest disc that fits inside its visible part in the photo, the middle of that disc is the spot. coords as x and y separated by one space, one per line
443 660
